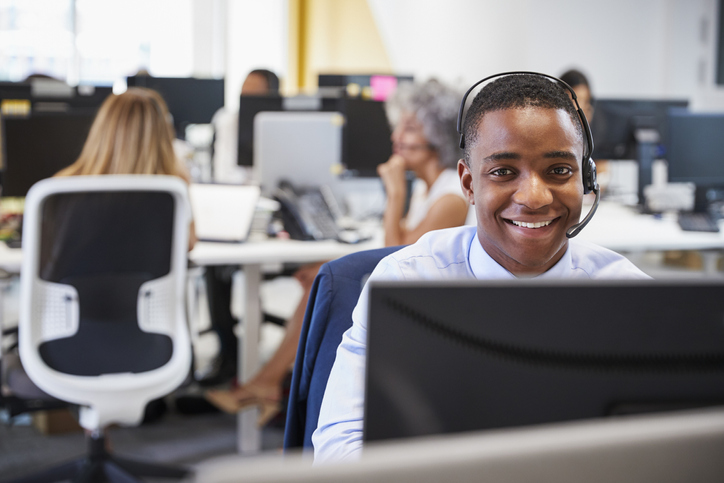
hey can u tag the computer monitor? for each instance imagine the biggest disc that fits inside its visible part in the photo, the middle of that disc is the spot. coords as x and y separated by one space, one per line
366 137
250 106
14 90
695 152
380 85
39 145
190 100
452 356
615 121
632 129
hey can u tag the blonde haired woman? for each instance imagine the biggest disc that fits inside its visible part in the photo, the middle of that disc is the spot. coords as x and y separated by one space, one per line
131 134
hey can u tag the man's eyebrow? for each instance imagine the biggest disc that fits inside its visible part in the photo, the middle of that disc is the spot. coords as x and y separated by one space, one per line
501 156
561 154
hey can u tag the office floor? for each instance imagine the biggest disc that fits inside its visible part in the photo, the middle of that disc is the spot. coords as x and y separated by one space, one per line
174 439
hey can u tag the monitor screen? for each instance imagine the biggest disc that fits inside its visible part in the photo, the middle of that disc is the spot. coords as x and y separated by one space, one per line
695 147
190 100
615 121
366 138
448 356
380 85
250 106
38 146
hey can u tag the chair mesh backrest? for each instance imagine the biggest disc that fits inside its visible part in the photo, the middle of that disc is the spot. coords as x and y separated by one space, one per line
106 245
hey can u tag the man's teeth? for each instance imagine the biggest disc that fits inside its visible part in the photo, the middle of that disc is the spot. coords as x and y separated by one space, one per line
531 225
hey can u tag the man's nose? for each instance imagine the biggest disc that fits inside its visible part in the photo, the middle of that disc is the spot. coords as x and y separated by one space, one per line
533 192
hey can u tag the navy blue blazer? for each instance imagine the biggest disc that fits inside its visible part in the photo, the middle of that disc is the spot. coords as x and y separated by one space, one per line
329 314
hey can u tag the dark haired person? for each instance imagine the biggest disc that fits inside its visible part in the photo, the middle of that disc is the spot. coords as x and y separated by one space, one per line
260 82
580 85
524 145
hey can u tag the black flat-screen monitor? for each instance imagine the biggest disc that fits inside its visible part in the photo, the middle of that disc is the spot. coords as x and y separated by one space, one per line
615 121
82 97
366 137
695 153
695 147
39 145
14 90
380 85
250 106
452 356
190 100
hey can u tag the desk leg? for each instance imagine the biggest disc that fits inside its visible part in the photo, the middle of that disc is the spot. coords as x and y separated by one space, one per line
710 262
249 435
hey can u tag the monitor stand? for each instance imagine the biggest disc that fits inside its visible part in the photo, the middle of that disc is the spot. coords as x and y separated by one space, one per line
647 141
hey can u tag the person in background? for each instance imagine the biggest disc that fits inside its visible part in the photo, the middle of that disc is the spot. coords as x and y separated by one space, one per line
580 85
522 172
258 82
131 134
424 142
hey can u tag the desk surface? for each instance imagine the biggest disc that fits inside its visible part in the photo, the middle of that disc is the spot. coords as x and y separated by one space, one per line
274 251
621 229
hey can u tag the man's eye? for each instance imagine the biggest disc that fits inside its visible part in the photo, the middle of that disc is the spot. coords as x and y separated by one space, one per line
502 172
561 170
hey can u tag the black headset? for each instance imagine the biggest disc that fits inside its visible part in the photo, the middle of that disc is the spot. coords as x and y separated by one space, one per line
588 167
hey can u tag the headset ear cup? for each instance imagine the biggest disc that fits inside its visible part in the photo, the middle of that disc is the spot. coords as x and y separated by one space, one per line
590 181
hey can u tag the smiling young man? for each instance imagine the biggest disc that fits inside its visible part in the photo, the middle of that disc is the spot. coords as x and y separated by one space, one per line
522 171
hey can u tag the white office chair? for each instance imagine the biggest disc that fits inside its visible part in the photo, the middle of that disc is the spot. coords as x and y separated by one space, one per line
102 319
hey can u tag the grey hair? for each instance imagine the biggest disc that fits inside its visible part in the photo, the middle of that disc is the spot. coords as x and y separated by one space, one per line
435 106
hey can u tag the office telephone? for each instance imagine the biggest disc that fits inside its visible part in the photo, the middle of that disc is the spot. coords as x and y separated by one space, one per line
306 213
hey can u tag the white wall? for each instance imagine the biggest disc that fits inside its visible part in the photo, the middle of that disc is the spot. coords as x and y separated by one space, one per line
628 48
256 38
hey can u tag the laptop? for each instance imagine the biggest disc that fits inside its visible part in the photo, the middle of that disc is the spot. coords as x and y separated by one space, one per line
223 213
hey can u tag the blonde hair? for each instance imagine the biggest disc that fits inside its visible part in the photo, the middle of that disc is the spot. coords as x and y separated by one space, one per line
131 134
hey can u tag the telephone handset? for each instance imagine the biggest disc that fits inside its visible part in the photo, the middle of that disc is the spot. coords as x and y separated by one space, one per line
305 213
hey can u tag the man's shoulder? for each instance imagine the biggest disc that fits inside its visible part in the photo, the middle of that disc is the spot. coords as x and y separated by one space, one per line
444 250
601 263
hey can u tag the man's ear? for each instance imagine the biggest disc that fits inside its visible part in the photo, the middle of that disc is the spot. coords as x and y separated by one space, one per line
466 181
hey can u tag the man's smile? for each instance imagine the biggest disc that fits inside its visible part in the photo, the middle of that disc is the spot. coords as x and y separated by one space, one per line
537 224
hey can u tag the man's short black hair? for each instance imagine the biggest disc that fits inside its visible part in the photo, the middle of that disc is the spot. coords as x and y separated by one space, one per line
517 91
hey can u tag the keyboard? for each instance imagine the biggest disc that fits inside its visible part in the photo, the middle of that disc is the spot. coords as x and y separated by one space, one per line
698 222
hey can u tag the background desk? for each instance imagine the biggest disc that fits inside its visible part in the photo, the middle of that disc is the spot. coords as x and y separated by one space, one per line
251 256
624 230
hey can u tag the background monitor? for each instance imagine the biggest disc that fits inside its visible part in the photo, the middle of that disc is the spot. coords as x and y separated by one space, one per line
366 138
301 147
250 106
446 357
695 147
39 145
695 153
616 120
379 85
190 100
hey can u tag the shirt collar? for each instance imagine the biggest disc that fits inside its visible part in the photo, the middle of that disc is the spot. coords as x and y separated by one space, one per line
485 268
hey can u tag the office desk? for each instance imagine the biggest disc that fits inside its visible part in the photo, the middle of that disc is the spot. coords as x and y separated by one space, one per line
251 256
622 229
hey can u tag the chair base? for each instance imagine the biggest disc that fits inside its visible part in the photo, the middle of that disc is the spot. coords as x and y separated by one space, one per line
100 466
